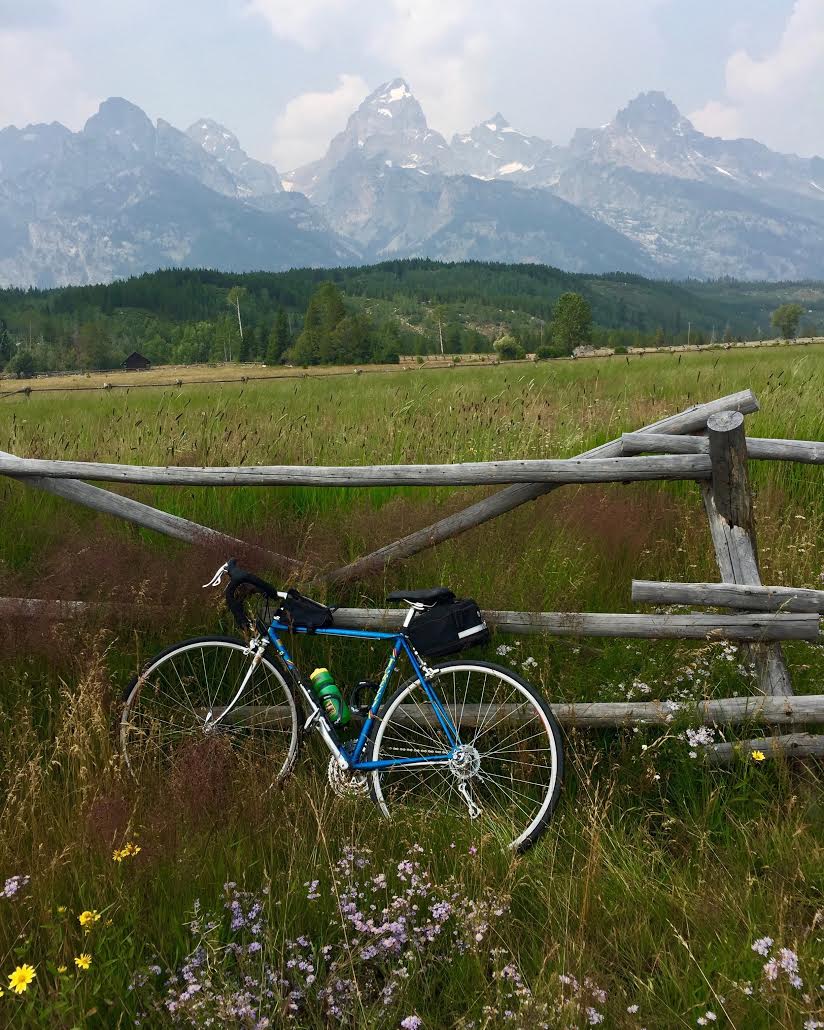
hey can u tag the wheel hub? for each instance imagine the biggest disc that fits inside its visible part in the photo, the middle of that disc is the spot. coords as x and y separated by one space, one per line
465 763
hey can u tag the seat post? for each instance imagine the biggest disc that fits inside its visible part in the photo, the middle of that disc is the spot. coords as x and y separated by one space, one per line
410 614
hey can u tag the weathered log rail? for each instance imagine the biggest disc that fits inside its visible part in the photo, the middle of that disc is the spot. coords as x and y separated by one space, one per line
761 617
600 624
729 711
741 628
729 595
478 473
807 452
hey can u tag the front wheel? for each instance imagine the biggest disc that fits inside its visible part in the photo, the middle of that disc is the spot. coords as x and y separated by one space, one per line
187 704
506 775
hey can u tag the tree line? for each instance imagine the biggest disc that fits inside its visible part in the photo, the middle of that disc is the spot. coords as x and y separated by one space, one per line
372 314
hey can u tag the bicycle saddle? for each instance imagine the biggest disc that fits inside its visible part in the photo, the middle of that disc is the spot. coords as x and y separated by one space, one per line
434 595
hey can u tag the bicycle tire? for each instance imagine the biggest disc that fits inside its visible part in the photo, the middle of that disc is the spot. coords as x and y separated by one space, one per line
392 736
251 728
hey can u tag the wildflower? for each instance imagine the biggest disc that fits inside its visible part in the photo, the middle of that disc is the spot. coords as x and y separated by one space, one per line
20 979
61 909
127 851
13 885
88 918
62 969
473 850
703 735
758 756
411 1023
632 1009
762 946
83 961
788 960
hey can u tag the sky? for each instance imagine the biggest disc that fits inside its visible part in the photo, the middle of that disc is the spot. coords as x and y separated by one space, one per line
284 75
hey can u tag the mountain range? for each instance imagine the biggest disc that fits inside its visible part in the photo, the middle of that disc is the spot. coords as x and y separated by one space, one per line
647 193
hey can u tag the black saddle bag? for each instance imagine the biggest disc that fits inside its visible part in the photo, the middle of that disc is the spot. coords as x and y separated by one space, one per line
447 629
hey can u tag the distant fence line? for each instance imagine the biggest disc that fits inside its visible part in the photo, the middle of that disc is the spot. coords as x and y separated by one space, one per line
717 461
407 363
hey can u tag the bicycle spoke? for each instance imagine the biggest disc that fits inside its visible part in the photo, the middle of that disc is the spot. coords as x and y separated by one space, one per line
509 766
169 706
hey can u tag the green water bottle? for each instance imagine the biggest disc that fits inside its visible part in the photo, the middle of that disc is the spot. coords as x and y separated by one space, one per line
337 709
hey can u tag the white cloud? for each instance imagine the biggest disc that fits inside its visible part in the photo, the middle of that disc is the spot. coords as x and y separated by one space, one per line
307 22
465 60
777 98
310 120
40 81
446 51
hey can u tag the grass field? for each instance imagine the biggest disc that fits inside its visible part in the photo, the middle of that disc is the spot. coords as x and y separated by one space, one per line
647 902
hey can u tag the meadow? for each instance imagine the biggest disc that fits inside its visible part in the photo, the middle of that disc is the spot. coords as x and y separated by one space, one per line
665 893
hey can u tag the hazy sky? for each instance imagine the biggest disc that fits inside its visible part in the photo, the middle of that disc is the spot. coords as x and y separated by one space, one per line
284 74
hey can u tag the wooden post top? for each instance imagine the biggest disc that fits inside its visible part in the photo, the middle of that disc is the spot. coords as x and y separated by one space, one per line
725 421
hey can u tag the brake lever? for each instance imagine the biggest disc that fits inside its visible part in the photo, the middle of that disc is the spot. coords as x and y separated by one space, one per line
216 580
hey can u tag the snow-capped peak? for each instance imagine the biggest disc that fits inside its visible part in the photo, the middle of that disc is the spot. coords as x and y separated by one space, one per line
497 123
391 92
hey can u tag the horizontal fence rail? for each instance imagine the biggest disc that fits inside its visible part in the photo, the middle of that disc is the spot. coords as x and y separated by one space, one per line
791 745
728 711
600 624
808 452
730 595
478 473
555 624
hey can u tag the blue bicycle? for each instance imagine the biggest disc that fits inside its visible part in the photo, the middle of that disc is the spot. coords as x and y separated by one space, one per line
461 736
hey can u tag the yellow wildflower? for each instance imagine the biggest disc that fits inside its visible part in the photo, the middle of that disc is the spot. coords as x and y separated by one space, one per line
88 918
127 851
61 909
758 756
62 969
83 961
20 979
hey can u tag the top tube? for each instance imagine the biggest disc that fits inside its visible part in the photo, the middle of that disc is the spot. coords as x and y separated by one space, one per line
334 631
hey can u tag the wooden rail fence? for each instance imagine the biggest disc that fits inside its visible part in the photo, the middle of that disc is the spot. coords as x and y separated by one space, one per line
669 449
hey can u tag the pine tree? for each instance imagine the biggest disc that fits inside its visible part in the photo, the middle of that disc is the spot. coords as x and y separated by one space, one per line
279 339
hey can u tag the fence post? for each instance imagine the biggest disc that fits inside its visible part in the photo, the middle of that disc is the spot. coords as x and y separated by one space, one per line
728 502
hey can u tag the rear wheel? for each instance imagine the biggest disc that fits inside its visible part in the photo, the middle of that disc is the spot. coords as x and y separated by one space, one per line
181 704
507 773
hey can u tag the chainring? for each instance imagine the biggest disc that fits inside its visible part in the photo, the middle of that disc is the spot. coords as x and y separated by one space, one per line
344 782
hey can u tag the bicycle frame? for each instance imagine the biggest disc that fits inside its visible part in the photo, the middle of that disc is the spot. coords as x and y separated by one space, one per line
351 759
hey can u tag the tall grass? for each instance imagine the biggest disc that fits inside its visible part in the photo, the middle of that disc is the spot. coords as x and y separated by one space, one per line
657 874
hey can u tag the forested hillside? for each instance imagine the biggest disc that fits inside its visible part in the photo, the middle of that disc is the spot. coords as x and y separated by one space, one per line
372 314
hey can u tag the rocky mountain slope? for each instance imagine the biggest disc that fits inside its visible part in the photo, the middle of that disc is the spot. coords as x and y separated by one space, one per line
124 196
645 193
